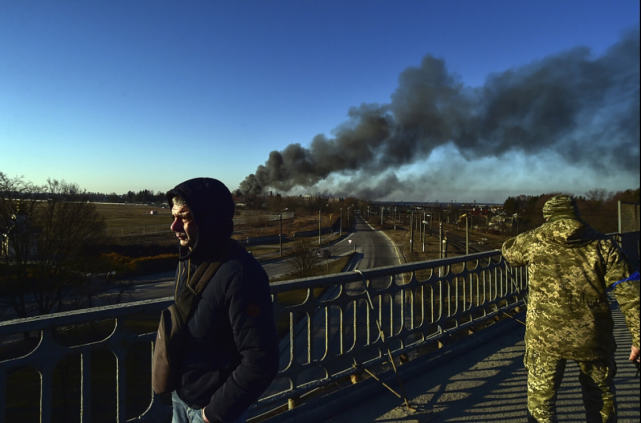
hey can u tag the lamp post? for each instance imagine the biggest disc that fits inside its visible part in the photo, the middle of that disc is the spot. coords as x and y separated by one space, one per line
412 232
440 239
394 217
467 235
430 223
280 231
424 222
319 227
280 234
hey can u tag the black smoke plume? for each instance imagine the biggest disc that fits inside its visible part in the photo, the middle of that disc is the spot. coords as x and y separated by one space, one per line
582 108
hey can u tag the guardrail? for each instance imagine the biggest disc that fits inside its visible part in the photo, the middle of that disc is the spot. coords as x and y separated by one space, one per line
331 326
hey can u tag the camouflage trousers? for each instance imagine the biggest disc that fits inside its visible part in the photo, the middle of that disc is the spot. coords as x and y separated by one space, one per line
544 378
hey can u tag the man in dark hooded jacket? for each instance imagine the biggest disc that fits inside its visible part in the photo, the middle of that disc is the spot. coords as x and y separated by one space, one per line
230 355
570 268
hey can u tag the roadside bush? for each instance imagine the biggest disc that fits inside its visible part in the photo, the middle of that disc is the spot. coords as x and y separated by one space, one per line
127 266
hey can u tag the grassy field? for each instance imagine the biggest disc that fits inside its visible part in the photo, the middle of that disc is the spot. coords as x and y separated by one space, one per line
131 223
141 242
126 219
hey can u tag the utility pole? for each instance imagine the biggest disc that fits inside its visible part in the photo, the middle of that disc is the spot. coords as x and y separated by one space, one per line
423 228
423 234
412 232
340 224
319 227
382 212
280 234
394 217
467 236
440 239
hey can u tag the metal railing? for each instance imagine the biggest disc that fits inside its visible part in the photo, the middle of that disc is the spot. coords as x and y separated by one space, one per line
330 326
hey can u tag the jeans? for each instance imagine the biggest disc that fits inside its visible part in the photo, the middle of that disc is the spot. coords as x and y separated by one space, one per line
182 413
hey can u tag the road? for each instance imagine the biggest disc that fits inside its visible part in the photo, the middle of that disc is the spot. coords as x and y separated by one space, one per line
332 329
374 248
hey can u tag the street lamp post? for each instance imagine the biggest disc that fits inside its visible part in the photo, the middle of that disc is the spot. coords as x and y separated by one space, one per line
429 226
423 235
424 222
280 231
319 227
440 239
412 232
280 234
467 236
394 217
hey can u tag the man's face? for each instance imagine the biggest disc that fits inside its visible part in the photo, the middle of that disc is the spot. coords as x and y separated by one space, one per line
183 225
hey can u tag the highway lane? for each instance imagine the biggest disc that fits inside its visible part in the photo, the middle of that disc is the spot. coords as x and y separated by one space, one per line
374 249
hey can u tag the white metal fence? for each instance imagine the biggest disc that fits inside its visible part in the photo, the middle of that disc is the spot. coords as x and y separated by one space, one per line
331 326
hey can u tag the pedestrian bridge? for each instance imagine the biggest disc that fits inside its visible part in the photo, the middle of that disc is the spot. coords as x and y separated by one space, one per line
396 343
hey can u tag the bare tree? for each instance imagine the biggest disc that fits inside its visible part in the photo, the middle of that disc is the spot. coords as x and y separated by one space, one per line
598 195
49 233
304 257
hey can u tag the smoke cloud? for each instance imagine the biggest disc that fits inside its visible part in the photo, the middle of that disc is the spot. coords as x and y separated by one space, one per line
582 109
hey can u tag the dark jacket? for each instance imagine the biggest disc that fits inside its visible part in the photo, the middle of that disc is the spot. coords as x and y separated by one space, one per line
231 353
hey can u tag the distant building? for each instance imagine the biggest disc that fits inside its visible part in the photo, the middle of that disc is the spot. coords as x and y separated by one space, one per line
497 223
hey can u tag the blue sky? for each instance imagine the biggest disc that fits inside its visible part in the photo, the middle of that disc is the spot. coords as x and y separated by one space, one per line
129 95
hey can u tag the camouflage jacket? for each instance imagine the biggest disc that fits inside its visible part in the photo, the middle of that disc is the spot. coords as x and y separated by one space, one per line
570 267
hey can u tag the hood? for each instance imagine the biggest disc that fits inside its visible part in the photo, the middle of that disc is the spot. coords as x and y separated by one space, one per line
566 231
212 208
560 207
563 224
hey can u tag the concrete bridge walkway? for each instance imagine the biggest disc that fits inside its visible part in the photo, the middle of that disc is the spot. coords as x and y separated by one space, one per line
482 380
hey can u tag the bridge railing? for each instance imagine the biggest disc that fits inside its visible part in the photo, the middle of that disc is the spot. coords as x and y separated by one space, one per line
331 326
340 324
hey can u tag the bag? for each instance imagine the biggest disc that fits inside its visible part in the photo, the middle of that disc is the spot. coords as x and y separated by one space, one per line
171 329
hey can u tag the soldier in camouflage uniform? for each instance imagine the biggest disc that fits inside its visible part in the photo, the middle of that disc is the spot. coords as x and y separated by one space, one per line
570 268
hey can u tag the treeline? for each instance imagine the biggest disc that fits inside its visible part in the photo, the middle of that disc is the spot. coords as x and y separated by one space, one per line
598 208
144 196
301 204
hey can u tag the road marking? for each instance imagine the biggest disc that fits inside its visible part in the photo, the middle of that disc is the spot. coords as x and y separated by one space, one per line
396 252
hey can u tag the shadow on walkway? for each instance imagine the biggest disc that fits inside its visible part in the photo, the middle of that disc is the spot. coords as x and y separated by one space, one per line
485 382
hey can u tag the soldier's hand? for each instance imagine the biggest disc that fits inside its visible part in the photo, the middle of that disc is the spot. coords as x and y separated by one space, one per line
635 354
